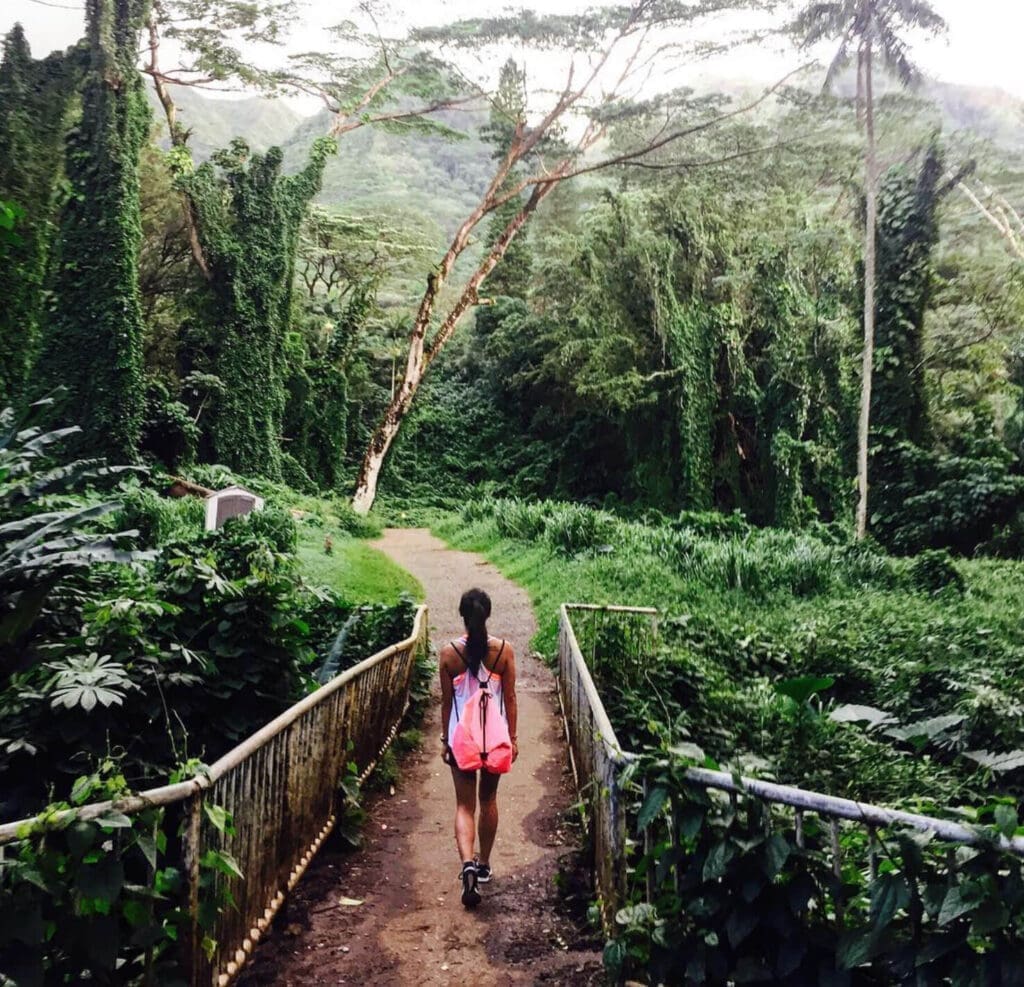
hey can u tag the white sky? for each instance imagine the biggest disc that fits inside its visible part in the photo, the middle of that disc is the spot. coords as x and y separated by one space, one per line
982 47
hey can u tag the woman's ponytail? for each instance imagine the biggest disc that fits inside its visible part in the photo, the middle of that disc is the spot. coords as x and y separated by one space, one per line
475 608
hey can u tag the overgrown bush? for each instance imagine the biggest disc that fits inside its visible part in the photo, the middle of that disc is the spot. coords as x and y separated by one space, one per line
159 519
357 525
182 653
99 900
570 528
711 524
169 435
932 571
519 519
926 500
739 898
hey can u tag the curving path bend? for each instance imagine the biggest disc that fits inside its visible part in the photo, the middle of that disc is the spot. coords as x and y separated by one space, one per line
409 926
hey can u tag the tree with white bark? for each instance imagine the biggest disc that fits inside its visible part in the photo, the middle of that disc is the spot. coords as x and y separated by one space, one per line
611 55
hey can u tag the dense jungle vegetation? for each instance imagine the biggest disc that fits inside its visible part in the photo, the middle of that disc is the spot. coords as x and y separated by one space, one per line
754 356
808 659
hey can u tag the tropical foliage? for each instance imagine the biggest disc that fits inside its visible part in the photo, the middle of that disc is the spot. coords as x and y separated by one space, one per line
810 660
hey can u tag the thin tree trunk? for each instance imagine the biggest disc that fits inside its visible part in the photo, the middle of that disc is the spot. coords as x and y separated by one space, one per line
870 196
178 139
421 356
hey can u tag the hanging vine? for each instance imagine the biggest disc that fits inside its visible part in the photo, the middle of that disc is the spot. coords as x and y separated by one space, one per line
908 231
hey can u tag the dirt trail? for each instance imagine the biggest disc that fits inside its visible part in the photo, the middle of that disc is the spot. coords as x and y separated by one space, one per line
411 927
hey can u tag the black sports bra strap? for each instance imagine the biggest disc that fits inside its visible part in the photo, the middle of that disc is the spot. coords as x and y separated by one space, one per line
489 671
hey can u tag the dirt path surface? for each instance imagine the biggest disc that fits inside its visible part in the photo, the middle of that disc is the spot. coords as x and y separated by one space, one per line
410 927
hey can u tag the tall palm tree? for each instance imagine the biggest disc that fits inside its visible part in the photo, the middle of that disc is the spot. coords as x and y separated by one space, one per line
867 29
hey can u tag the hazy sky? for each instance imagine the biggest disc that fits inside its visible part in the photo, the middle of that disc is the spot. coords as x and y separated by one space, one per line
982 48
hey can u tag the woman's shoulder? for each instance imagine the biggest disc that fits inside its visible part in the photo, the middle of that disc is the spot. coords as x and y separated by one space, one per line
448 657
499 652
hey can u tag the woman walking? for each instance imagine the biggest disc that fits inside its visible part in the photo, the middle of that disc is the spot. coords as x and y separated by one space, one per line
478 677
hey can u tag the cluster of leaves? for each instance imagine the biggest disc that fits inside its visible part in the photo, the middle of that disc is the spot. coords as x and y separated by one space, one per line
965 503
45 536
363 631
668 354
566 528
863 703
155 655
739 897
98 898
130 658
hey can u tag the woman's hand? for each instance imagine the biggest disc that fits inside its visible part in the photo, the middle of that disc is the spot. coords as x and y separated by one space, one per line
446 751
515 751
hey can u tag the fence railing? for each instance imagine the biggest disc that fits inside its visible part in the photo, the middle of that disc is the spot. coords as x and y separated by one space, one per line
599 763
597 759
281 788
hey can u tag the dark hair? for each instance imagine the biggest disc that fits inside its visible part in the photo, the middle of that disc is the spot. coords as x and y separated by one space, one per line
475 608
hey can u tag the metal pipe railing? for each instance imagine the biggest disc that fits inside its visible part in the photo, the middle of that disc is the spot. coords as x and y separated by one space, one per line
599 762
280 786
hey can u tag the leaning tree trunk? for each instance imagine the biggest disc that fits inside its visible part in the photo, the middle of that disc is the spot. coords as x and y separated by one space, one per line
871 210
420 355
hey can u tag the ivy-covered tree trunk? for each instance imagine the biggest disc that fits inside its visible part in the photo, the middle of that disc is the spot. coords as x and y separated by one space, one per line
907 234
92 344
692 349
33 100
249 217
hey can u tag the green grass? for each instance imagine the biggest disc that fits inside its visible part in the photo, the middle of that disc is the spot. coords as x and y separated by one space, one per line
357 571
743 616
552 580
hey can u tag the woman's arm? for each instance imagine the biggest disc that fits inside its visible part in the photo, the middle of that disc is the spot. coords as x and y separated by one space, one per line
508 692
446 699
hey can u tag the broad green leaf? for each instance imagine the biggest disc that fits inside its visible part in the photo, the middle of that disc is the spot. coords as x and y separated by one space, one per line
801 689
998 761
989 916
855 949
81 836
718 860
889 894
147 843
954 905
927 729
1006 819
222 861
103 880
653 804
219 816
776 851
741 922
615 952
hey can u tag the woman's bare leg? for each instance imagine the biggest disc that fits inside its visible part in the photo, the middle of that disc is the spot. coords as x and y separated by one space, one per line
488 813
465 810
